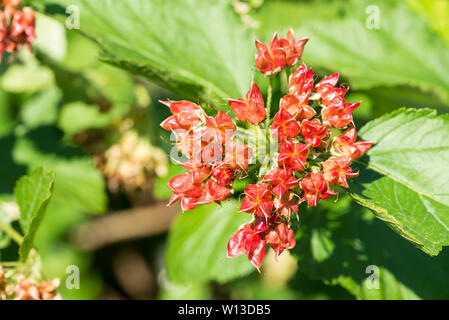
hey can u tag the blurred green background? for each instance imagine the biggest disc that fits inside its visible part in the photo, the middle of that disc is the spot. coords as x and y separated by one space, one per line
72 107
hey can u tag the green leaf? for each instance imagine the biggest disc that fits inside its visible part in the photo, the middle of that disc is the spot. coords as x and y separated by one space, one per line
50 37
7 117
195 48
42 108
82 52
280 15
402 51
197 245
115 84
387 99
436 13
32 194
343 244
80 184
404 180
28 77
78 116
5 240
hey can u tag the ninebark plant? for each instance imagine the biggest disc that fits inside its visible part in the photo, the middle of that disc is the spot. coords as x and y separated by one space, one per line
16 26
309 160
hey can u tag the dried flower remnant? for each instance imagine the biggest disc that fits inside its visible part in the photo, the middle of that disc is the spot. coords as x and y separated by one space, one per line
132 163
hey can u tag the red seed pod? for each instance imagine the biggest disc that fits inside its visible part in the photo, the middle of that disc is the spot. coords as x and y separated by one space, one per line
261 224
199 171
344 145
337 171
339 114
224 175
185 190
220 128
183 184
258 199
186 114
286 204
252 108
171 124
327 91
237 155
282 180
280 238
214 192
270 59
301 83
22 26
315 187
274 197
236 244
292 49
313 131
293 155
257 252
296 107
284 126
247 241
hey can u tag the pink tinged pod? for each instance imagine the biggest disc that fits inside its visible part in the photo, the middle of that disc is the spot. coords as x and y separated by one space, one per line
301 83
247 241
186 114
286 204
185 190
297 108
292 49
270 59
313 131
344 145
338 114
315 187
293 155
284 126
223 175
251 109
258 199
219 128
282 180
337 171
280 238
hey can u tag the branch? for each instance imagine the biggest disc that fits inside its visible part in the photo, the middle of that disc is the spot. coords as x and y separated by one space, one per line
124 225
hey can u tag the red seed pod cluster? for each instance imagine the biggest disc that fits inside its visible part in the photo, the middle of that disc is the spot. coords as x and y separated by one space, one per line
16 26
311 158
279 53
214 158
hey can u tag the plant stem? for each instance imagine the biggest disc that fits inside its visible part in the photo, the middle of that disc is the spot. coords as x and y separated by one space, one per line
269 96
284 81
11 232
